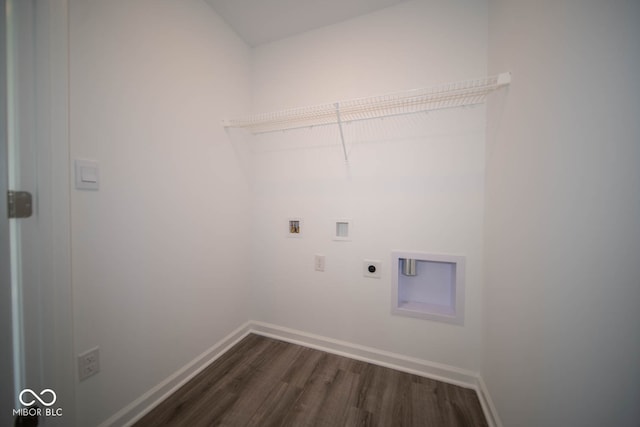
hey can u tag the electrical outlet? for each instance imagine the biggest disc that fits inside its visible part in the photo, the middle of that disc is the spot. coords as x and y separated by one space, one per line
89 363
371 268
319 262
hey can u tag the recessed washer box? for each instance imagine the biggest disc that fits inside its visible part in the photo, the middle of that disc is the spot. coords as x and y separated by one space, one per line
428 286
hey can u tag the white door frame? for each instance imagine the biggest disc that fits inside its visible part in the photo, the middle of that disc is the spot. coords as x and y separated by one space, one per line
51 239
7 392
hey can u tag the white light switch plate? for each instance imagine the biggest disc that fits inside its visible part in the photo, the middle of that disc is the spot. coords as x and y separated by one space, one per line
87 175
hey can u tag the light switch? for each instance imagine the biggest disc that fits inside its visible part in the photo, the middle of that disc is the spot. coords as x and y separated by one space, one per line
87 175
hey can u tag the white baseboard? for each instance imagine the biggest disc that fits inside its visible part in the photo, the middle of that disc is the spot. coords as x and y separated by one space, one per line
488 407
437 371
145 403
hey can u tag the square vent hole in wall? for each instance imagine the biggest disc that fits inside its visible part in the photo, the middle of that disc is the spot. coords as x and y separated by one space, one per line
342 230
428 286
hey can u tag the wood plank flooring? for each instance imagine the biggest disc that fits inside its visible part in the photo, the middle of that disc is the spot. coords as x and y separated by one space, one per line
266 382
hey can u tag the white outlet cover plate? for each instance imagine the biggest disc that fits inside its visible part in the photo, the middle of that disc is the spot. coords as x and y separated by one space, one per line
377 264
88 363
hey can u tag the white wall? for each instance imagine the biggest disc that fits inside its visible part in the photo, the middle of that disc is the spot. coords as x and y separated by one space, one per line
563 214
157 275
160 267
414 183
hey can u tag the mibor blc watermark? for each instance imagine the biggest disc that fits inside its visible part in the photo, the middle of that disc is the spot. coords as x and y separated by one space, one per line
47 398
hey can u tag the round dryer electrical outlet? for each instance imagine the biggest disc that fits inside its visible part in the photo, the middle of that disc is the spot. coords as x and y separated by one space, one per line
371 268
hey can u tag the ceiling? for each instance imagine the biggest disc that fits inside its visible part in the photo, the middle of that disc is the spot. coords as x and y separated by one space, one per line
263 21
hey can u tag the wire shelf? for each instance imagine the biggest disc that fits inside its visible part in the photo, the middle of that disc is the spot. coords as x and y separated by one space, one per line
452 95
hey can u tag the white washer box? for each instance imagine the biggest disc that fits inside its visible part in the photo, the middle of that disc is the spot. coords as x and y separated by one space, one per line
428 286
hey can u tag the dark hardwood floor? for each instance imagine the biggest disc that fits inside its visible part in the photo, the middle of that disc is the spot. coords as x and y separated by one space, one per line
266 382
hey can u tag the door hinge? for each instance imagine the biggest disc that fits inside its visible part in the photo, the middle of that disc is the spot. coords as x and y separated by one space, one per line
19 204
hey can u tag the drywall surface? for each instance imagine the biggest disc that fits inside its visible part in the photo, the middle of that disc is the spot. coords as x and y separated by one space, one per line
411 183
563 214
158 251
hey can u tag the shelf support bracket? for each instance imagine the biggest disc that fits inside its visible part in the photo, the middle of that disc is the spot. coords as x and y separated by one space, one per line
344 147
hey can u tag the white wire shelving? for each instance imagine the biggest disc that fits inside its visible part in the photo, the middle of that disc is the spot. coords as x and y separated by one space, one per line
452 95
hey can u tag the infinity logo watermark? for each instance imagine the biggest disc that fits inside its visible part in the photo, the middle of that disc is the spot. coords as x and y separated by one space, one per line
37 397
46 398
